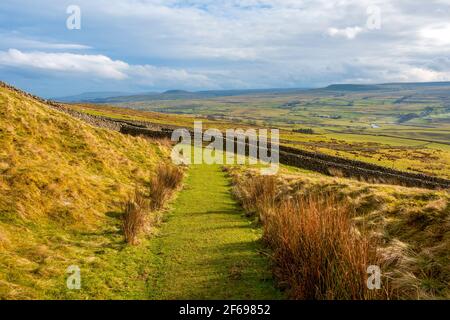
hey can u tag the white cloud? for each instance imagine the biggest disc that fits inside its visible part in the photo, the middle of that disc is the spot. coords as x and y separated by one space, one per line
50 46
100 66
424 75
168 77
95 65
349 32
20 41
436 34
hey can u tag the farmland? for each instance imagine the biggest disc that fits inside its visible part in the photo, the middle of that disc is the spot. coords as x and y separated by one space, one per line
406 127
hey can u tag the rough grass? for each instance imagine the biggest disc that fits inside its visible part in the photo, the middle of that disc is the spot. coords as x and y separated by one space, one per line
259 195
62 188
162 184
135 216
317 253
411 227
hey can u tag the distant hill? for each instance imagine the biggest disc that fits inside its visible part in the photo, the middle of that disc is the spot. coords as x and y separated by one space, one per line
105 97
176 94
90 96
386 86
353 87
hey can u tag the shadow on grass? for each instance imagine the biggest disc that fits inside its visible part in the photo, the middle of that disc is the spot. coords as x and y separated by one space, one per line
114 214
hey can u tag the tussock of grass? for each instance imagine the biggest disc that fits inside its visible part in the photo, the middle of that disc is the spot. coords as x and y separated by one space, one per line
258 195
134 217
165 180
62 188
137 216
317 253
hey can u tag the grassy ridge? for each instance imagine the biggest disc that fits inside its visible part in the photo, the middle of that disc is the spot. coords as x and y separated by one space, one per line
62 186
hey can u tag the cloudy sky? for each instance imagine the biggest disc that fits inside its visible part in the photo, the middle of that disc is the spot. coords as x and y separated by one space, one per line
155 45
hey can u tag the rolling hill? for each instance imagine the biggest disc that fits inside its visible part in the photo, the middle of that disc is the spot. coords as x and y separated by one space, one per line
121 97
62 185
106 97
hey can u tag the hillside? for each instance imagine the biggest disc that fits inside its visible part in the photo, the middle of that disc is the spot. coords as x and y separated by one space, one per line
122 97
113 97
62 183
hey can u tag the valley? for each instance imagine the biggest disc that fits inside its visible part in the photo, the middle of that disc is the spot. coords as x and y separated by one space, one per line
365 124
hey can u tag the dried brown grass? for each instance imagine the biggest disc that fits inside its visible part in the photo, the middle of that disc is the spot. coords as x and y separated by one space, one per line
166 179
317 252
258 195
134 218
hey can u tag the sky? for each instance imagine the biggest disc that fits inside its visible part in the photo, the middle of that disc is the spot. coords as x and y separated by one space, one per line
156 45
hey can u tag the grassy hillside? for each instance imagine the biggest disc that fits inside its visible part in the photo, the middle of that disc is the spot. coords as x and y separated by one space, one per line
62 187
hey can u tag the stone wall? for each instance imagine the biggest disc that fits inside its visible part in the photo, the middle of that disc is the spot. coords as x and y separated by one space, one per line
139 131
330 165
363 165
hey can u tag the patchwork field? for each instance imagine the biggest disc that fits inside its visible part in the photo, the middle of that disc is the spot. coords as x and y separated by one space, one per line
402 127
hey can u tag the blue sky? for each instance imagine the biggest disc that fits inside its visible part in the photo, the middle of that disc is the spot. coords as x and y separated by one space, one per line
155 45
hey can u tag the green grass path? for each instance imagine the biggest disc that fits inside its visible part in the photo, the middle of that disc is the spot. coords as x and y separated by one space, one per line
207 249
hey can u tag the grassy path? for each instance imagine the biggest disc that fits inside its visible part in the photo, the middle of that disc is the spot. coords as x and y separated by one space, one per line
207 249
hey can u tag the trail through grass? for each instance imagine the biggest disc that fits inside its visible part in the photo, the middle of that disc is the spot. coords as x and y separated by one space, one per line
208 249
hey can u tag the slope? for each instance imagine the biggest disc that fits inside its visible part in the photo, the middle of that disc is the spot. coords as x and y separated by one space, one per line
62 185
